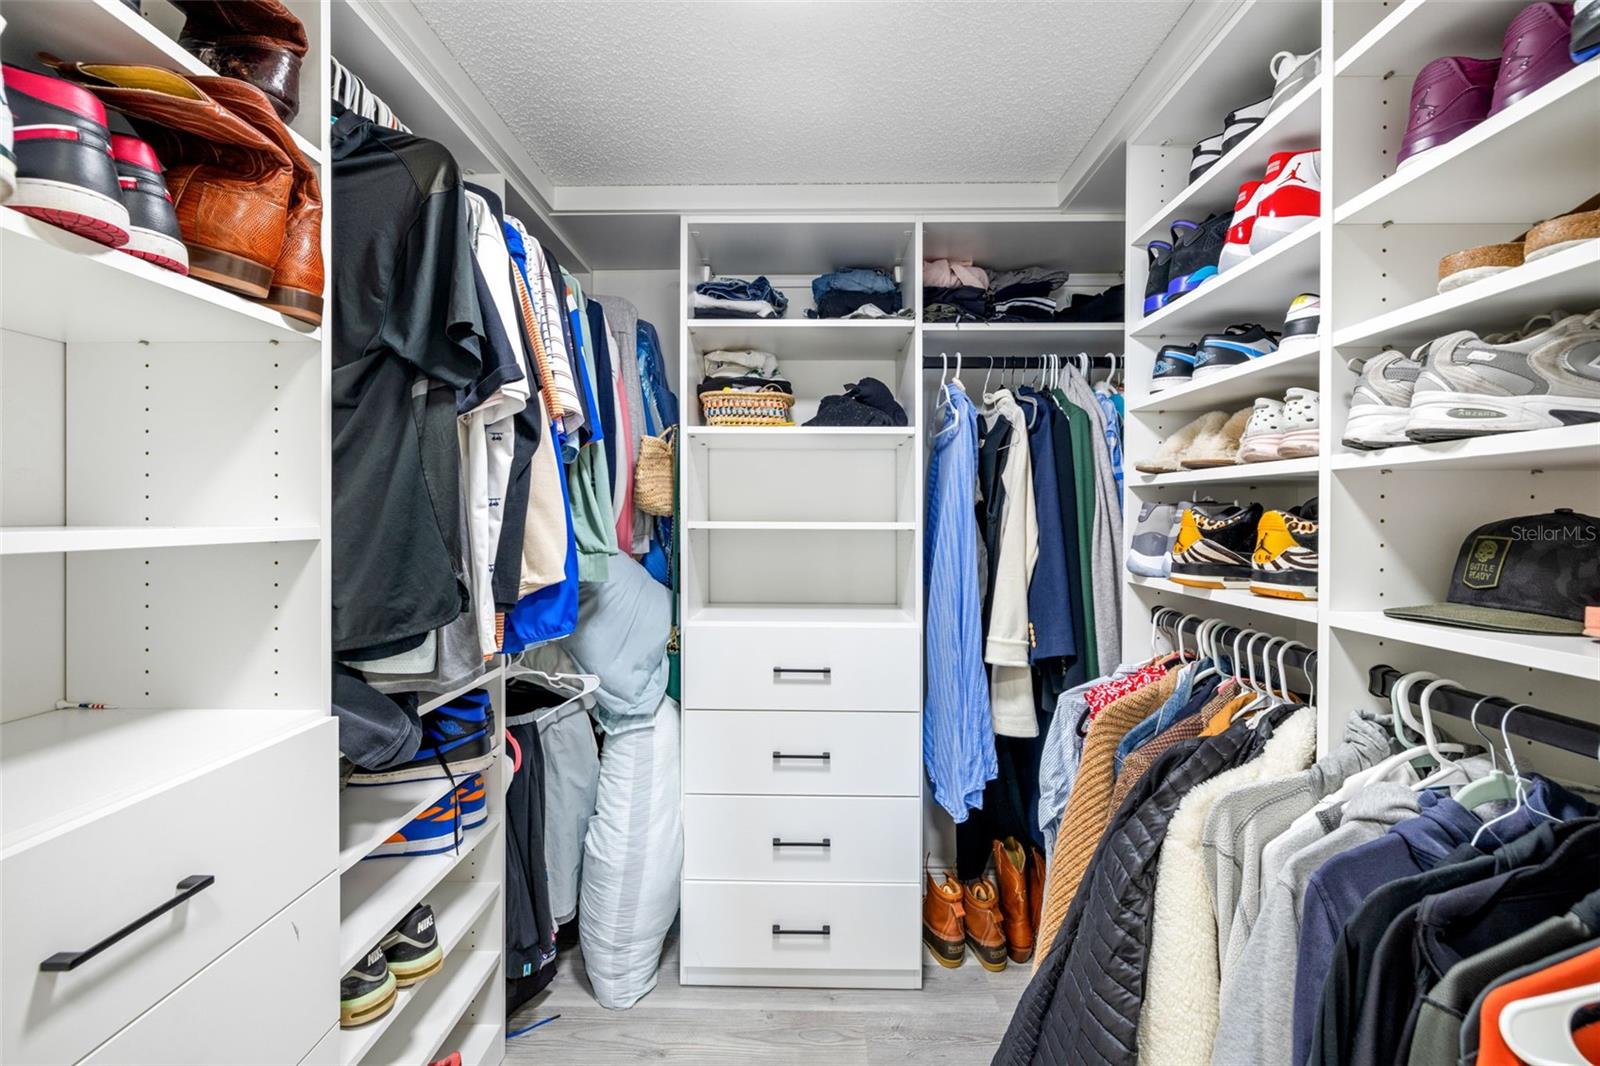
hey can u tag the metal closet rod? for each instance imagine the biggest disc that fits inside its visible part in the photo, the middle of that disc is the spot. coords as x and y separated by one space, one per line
1544 727
1014 362
1300 659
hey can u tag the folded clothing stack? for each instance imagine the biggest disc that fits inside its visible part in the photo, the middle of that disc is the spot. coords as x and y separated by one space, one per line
841 292
954 290
738 363
1023 295
724 297
866 403
747 383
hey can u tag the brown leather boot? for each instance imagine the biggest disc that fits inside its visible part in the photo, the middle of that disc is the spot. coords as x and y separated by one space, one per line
296 288
256 41
981 906
1036 873
941 921
229 183
1010 865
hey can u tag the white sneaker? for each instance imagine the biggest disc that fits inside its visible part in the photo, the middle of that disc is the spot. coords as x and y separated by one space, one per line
1380 405
1302 424
1302 326
1263 434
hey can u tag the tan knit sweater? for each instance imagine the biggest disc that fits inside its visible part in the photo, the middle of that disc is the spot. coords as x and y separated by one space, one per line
1089 806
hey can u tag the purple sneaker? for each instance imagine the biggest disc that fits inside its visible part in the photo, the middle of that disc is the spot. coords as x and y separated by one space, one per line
1534 52
1450 96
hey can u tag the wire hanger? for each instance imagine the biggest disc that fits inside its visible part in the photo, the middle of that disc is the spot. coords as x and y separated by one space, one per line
1496 786
1521 783
578 688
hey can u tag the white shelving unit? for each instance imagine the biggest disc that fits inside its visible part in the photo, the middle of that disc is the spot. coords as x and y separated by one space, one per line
1391 520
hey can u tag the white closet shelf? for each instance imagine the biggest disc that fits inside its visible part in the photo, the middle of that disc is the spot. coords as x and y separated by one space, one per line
1243 599
457 906
1577 657
65 288
807 438
831 615
1565 448
1417 31
475 1041
1242 473
1021 338
800 527
108 31
1267 376
41 540
1566 279
798 338
1545 146
375 894
1295 125
1259 289
483 680
369 815
434 1007
91 750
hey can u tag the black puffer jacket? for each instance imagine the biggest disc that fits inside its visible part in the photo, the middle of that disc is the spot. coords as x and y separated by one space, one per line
1083 1005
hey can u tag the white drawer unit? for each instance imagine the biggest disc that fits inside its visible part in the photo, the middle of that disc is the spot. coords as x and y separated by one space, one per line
851 935
213 856
802 753
804 668
272 986
814 838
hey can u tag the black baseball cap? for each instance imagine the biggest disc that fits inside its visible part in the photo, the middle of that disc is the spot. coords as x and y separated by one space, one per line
1534 574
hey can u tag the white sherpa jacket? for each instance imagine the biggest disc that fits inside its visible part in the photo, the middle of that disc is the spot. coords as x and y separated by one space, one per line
1178 1022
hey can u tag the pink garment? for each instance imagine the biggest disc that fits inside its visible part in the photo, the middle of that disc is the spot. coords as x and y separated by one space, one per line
949 273
625 463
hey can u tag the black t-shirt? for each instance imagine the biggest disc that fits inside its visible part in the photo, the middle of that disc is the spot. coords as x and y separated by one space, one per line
405 310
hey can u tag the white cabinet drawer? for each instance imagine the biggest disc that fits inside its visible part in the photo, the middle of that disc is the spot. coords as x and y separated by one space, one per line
802 753
774 933
274 986
264 824
794 838
802 668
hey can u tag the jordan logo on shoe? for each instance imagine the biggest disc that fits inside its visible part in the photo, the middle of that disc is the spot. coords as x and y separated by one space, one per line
1516 57
1423 108
1294 175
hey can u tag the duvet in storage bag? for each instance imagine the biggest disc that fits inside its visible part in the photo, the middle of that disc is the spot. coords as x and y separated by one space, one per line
632 858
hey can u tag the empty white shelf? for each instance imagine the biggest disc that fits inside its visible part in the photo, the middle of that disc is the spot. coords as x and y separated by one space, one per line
1566 448
1020 338
39 540
800 338
1244 599
1574 656
1241 473
808 438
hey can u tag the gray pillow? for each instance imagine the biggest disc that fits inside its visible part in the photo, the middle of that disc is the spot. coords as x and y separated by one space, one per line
622 639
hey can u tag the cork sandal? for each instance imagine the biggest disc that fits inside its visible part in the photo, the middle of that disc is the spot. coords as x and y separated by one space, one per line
1574 227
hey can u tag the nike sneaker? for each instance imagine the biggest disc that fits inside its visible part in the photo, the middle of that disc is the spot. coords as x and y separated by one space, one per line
1284 563
1302 424
1533 53
1289 201
367 992
1449 97
472 799
1150 551
153 233
1174 367
1234 346
1470 387
65 173
1302 326
1263 433
1205 156
436 830
1159 261
1585 42
457 739
1195 254
1241 122
1380 405
1214 551
1291 73
412 948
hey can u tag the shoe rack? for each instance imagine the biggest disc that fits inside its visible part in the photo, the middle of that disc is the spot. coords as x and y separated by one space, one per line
1392 520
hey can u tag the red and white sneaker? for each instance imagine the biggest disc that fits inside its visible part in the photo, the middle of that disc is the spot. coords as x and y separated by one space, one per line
1288 201
65 173
153 232
1245 207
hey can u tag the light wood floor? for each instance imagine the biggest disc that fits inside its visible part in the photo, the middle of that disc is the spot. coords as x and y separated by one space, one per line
957 1019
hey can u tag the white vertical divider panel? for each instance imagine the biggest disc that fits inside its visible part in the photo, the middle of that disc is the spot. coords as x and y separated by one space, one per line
1330 715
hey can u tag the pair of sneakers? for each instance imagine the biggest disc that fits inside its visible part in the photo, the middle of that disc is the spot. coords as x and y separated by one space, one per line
1229 546
1543 376
409 953
1286 197
1282 429
1290 73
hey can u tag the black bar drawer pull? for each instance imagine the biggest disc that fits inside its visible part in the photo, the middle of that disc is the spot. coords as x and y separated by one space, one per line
62 961
820 671
825 842
824 757
778 930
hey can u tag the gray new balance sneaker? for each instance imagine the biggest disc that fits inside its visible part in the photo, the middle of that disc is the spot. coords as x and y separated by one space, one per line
1380 405
1471 387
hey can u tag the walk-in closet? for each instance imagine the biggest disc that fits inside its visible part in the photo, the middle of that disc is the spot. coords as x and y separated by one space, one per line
1040 533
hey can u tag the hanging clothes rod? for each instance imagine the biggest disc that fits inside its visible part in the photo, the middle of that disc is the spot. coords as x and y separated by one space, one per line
1299 660
1016 362
1544 727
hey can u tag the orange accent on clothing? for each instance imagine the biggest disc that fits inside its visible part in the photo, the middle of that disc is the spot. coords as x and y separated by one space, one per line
1579 970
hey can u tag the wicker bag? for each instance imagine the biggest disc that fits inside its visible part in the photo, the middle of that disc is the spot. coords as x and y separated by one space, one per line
733 408
652 478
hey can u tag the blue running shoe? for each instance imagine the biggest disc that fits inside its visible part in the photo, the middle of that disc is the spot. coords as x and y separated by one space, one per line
457 739
437 829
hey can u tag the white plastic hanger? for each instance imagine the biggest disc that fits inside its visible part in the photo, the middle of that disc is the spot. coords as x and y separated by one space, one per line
1207 638
1539 1028
1496 786
1400 707
578 688
1447 769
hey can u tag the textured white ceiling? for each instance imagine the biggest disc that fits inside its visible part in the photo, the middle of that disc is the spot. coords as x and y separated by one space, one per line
802 91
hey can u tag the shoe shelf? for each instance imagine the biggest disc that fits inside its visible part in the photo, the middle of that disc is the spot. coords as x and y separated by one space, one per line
457 907
1243 599
1546 147
375 895
1576 657
1258 289
1237 386
483 680
66 288
434 1006
38 540
1568 279
476 1042
108 31
1295 125
1566 448
371 814
1417 31
1239 474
